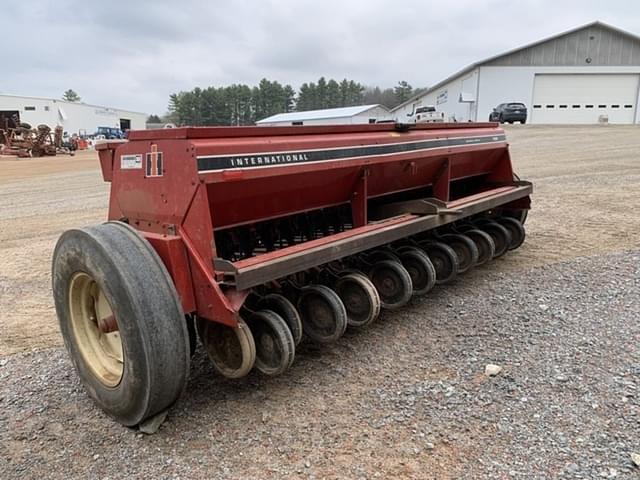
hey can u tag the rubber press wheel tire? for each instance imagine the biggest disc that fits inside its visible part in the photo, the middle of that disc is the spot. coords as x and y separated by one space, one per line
444 260
484 244
465 249
283 307
420 268
500 235
360 299
231 350
109 276
516 229
393 283
324 317
275 347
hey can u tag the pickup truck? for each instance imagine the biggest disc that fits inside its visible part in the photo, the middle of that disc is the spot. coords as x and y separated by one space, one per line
426 114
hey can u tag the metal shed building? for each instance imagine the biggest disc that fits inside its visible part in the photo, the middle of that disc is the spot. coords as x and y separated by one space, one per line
578 76
74 117
329 116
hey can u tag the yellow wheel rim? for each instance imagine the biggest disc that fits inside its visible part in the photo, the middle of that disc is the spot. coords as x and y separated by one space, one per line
95 329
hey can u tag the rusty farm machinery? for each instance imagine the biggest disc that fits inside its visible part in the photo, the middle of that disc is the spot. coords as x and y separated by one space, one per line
24 141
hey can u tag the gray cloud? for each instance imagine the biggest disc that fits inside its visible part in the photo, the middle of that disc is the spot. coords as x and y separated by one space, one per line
133 54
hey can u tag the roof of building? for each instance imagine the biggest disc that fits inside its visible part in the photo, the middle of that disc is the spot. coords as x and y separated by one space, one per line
59 100
319 114
510 52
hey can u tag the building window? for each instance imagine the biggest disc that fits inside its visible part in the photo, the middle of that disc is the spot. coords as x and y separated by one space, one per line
372 120
46 108
575 106
562 106
551 106
602 106
296 123
537 106
29 109
615 106
588 106
628 106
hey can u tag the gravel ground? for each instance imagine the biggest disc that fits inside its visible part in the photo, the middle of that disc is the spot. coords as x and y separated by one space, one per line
406 398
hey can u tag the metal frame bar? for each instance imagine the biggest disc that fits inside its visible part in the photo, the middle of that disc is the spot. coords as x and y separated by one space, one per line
258 270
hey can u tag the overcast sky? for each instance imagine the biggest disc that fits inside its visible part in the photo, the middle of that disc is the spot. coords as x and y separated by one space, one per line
133 54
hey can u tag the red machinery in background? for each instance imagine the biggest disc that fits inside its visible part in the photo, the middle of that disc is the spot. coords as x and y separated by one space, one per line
255 236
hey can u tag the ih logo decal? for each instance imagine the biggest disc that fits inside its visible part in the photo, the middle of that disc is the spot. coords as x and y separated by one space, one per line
154 162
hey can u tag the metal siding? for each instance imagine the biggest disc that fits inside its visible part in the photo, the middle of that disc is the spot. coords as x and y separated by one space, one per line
607 48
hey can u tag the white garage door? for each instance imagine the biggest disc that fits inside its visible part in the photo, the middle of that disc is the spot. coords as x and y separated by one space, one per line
584 98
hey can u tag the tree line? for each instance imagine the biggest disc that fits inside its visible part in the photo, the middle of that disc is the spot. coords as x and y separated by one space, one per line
240 104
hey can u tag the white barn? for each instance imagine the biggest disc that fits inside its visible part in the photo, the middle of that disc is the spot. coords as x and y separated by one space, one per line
74 117
579 76
329 116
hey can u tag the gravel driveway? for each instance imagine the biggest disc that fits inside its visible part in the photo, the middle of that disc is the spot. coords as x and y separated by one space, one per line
406 398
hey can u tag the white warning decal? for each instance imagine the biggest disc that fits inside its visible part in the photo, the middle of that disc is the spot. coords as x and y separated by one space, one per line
130 162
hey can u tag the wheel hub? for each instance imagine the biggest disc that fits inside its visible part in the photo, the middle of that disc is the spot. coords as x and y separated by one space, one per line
96 329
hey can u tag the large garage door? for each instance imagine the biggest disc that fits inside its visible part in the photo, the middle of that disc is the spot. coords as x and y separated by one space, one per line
584 98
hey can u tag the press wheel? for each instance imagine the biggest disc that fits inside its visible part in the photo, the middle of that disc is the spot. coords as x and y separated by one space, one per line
444 260
360 299
420 268
484 244
500 235
232 351
393 283
465 249
283 307
324 317
275 347
516 229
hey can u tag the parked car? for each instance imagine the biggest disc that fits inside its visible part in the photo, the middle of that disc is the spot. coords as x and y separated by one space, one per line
110 133
509 112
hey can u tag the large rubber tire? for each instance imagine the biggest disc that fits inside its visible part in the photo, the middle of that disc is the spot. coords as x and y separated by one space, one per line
420 268
283 307
484 244
465 249
150 320
516 229
324 318
360 299
275 347
393 283
444 259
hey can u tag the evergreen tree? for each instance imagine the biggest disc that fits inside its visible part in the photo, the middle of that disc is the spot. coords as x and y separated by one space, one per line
403 91
71 96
